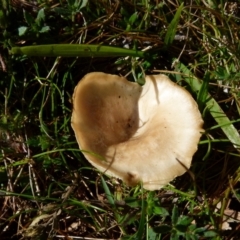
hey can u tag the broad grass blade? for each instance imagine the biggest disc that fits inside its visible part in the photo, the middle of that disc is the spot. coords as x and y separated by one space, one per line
203 92
172 28
107 192
213 107
76 50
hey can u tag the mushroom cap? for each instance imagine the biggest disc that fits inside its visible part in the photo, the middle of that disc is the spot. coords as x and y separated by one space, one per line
138 134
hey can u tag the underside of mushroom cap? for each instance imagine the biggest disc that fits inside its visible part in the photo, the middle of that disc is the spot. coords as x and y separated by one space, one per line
139 134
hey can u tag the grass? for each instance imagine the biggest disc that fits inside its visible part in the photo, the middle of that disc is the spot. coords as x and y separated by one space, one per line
48 190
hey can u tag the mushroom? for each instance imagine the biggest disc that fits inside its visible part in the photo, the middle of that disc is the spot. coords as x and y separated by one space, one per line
136 133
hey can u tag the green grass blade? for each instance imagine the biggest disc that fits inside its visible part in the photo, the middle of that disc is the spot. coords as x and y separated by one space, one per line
110 198
213 107
142 222
108 193
172 28
203 92
76 50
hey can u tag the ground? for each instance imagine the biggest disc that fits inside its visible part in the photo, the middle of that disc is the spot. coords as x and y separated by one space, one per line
48 189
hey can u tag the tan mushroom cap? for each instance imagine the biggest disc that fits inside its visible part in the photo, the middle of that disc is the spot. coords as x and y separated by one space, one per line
139 134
